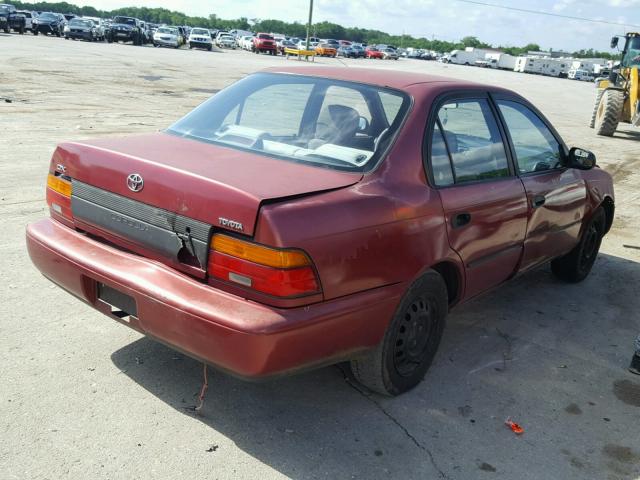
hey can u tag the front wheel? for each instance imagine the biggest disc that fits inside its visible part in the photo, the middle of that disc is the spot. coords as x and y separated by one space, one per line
576 265
608 112
411 340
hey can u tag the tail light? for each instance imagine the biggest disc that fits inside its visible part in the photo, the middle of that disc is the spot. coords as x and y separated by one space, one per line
59 190
278 272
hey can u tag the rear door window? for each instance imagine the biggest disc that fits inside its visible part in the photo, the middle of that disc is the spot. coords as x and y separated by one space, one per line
473 141
536 149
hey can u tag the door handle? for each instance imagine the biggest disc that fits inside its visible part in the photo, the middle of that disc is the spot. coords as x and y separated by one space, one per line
460 220
538 201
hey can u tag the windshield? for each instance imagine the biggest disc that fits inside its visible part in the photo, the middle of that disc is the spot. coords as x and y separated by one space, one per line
80 23
330 123
126 20
48 16
265 36
199 31
170 31
4 8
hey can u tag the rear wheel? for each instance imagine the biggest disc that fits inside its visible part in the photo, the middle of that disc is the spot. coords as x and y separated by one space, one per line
608 112
592 122
405 353
576 265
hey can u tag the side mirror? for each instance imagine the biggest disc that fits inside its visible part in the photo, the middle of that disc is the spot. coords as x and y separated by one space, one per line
614 42
581 159
363 124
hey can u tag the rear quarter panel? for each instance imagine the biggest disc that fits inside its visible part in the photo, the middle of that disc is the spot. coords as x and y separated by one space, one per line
386 229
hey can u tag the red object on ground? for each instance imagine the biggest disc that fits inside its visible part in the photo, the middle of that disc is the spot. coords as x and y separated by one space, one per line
515 428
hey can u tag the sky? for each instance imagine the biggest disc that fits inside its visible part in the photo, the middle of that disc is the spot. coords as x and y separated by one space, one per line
443 19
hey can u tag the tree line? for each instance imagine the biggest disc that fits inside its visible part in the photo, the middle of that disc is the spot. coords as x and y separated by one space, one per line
294 29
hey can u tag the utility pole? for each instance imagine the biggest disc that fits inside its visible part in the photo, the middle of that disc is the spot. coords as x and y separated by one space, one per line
309 23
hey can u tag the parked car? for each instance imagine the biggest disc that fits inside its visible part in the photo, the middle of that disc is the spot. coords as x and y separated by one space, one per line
167 37
346 51
358 50
51 23
30 19
373 52
126 29
286 44
580 74
80 28
225 40
264 43
389 54
326 50
167 234
10 19
246 42
99 25
200 38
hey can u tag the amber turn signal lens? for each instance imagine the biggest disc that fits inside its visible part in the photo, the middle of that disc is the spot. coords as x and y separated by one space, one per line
57 184
252 252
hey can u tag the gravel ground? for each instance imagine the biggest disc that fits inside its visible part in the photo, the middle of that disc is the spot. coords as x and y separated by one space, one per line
84 397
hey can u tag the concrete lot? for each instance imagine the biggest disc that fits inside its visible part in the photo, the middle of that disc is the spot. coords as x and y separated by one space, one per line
84 397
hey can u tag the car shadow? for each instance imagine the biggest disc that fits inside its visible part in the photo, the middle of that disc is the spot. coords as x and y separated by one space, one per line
495 360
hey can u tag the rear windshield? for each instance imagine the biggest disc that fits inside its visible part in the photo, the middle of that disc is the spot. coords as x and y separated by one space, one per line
76 22
329 123
265 36
199 31
126 20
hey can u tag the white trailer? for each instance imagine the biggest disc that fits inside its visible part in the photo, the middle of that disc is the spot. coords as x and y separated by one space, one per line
554 67
503 61
467 56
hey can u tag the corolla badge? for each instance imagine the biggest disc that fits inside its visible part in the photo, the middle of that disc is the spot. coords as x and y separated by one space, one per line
135 182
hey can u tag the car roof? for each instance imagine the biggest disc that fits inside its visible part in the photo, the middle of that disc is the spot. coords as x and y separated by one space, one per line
384 78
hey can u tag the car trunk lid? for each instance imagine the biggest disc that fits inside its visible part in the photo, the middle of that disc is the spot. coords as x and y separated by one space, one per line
185 188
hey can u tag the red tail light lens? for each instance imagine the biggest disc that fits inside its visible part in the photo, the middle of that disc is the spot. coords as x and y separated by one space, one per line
281 273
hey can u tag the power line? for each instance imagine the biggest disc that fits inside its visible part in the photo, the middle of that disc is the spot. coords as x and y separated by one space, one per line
549 14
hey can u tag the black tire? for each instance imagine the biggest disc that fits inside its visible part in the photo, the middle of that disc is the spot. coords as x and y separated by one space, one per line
404 355
21 30
576 265
7 29
209 48
592 122
34 31
608 112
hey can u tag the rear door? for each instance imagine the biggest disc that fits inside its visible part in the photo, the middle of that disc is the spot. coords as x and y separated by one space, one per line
484 202
556 196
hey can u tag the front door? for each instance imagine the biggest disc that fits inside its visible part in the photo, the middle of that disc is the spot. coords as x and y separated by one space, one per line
557 196
484 202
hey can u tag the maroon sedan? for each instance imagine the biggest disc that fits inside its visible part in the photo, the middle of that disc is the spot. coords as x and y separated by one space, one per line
307 216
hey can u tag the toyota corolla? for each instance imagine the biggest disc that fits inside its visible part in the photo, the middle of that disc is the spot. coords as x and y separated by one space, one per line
303 217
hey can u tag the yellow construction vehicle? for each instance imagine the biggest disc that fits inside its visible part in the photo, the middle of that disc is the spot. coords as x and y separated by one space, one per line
617 96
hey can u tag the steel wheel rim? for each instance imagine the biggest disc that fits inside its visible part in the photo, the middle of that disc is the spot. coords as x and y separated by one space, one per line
412 336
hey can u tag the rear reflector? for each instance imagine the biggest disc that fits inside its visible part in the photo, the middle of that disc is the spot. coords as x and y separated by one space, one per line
292 282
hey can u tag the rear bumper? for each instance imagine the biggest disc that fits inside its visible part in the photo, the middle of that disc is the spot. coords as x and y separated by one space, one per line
237 335
80 35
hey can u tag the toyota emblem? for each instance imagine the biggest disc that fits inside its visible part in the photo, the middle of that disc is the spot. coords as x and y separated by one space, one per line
135 182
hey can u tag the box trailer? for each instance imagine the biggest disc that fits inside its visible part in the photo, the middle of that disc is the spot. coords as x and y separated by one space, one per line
466 57
503 61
